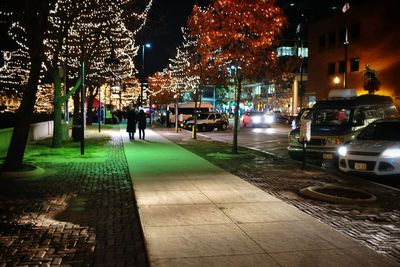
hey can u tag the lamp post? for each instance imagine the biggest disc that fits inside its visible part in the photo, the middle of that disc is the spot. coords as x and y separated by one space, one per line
336 81
345 8
110 60
147 45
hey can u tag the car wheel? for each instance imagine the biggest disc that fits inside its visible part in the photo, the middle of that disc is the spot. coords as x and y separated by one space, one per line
224 126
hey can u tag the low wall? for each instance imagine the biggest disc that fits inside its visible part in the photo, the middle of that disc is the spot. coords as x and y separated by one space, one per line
41 130
37 131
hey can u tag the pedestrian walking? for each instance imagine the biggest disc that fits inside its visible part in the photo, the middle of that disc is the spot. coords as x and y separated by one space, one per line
141 123
131 124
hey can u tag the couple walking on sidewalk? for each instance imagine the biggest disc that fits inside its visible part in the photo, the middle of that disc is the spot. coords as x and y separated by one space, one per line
132 119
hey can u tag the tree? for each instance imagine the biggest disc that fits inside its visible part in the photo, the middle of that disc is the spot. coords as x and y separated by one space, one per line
89 32
182 71
159 87
32 16
45 33
239 33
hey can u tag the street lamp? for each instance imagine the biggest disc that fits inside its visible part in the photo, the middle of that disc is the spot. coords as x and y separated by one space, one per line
147 45
111 60
336 81
345 8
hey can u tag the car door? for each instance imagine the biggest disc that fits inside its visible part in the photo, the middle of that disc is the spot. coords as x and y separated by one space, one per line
211 121
218 120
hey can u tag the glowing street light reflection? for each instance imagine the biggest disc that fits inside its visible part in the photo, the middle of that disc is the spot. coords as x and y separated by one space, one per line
265 130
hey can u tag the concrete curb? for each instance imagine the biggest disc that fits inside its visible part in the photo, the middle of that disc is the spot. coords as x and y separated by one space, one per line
313 193
35 171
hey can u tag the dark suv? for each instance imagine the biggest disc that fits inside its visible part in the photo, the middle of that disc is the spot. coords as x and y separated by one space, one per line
207 121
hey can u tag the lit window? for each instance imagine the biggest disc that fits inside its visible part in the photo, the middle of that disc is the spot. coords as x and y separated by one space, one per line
302 52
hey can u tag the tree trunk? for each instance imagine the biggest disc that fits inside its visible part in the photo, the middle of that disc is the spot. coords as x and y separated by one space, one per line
236 119
93 92
197 105
59 100
36 25
24 116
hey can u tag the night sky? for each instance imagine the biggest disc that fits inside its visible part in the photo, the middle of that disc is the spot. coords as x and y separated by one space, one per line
166 18
164 31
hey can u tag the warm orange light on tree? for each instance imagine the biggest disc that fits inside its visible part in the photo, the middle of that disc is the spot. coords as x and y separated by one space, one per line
238 33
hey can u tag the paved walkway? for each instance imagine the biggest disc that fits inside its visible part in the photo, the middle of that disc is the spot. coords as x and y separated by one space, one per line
196 214
81 212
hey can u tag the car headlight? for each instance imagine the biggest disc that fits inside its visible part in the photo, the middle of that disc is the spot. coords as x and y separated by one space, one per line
392 152
269 119
342 151
334 140
256 119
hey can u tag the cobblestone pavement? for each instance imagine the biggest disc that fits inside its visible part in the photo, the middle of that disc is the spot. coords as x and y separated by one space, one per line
377 224
81 214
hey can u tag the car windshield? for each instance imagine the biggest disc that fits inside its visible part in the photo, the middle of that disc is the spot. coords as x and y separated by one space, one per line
387 131
202 116
329 116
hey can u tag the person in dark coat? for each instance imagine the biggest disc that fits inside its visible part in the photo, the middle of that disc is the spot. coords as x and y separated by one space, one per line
131 124
141 123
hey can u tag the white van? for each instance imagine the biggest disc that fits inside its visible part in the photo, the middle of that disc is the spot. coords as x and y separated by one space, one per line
339 119
186 110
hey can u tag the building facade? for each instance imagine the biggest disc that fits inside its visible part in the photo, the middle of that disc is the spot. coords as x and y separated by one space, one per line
373 38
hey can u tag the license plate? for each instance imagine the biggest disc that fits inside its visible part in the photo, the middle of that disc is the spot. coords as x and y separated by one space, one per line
360 166
327 156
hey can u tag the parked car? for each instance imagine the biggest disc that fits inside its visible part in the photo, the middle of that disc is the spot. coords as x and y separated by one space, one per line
376 149
207 121
257 119
337 120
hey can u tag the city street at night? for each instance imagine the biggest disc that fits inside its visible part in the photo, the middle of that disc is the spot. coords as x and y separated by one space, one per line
274 141
191 211
164 133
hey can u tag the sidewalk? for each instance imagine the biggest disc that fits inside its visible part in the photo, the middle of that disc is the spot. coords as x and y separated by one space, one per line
196 214
80 212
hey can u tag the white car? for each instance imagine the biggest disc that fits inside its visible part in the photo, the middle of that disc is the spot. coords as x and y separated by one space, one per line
207 121
376 150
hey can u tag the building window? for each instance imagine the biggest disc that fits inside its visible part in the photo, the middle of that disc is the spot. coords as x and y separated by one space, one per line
342 66
302 51
322 41
355 64
331 68
332 38
354 32
286 51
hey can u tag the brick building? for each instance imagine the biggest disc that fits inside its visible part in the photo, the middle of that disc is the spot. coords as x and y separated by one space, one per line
374 38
